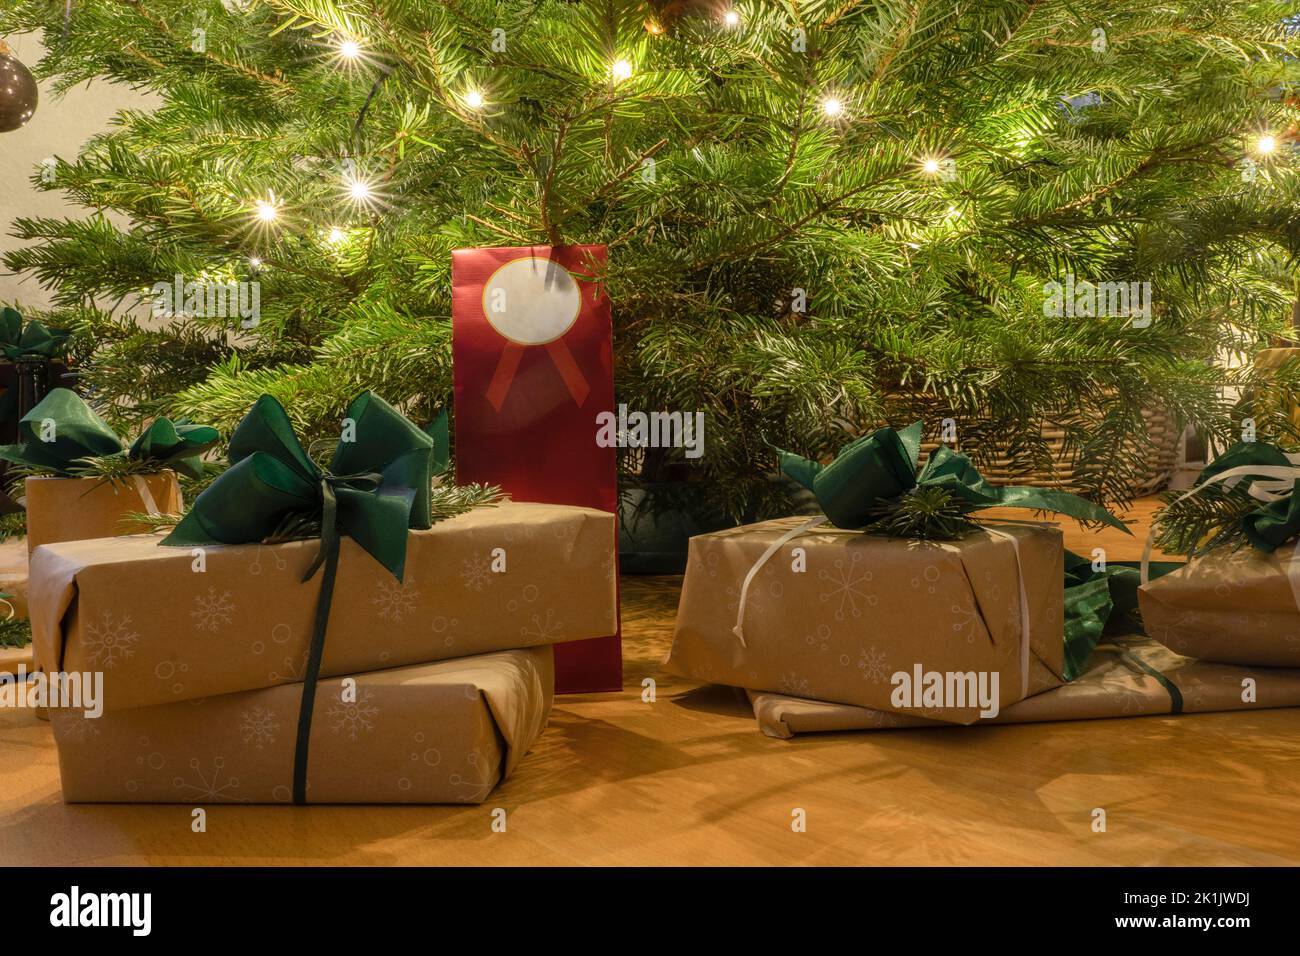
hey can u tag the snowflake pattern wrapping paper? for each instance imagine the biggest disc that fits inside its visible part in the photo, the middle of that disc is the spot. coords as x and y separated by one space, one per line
1234 607
1116 684
164 624
432 733
866 606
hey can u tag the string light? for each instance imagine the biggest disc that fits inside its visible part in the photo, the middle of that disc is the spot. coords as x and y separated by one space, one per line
266 211
930 166
832 106
731 18
621 70
1265 144
359 189
336 235
349 49
255 262
653 26
473 99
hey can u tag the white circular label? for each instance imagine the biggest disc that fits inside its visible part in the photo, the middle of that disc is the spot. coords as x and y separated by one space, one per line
532 300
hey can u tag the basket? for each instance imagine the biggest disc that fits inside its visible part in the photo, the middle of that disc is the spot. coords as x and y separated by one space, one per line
1160 458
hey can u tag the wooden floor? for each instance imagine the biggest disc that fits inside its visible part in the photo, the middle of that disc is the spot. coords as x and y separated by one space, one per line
688 779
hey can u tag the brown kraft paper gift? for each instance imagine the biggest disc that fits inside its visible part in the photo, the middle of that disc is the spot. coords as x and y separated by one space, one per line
431 733
74 509
1236 607
868 606
163 631
1116 684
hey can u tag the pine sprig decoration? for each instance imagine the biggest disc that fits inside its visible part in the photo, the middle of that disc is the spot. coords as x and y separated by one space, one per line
1204 522
15 632
926 513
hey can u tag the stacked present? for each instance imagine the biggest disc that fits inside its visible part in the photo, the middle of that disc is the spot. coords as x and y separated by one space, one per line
319 634
1238 599
898 609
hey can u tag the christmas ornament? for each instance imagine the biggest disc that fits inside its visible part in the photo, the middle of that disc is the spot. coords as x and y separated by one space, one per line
18 91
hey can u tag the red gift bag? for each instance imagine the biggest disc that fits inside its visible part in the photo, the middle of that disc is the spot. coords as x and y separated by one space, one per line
533 364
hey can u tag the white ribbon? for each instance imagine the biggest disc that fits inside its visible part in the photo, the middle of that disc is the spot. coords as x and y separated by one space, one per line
146 495
773 548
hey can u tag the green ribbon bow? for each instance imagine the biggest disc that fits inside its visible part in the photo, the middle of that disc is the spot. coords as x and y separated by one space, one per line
62 432
1266 466
881 467
19 340
376 488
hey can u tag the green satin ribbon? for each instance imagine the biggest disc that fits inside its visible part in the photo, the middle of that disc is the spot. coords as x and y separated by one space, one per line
1100 600
440 431
62 431
1274 523
880 467
376 487
19 340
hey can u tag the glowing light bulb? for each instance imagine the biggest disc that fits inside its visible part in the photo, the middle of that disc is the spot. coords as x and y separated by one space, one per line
930 166
349 49
359 190
266 211
832 107
1266 144
335 236
621 70
255 262
474 99
731 18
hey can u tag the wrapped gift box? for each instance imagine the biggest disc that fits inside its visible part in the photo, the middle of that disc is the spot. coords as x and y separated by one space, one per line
74 509
1236 607
867 607
433 733
167 624
1134 677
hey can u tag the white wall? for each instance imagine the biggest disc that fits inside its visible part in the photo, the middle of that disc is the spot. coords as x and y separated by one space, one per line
58 129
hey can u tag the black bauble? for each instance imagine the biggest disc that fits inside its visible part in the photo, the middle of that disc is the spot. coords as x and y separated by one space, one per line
18 92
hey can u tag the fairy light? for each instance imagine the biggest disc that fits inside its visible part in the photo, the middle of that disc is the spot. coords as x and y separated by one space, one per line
1265 144
930 166
621 70
359 190
832 107
335 236
473 99
731 18
654 27
266 211
349 49
255 262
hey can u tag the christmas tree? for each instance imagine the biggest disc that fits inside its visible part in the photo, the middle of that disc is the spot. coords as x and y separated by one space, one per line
822 216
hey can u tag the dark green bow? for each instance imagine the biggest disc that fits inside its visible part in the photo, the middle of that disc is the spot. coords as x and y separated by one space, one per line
873 471
19 340
62 434
1266 525
376 488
